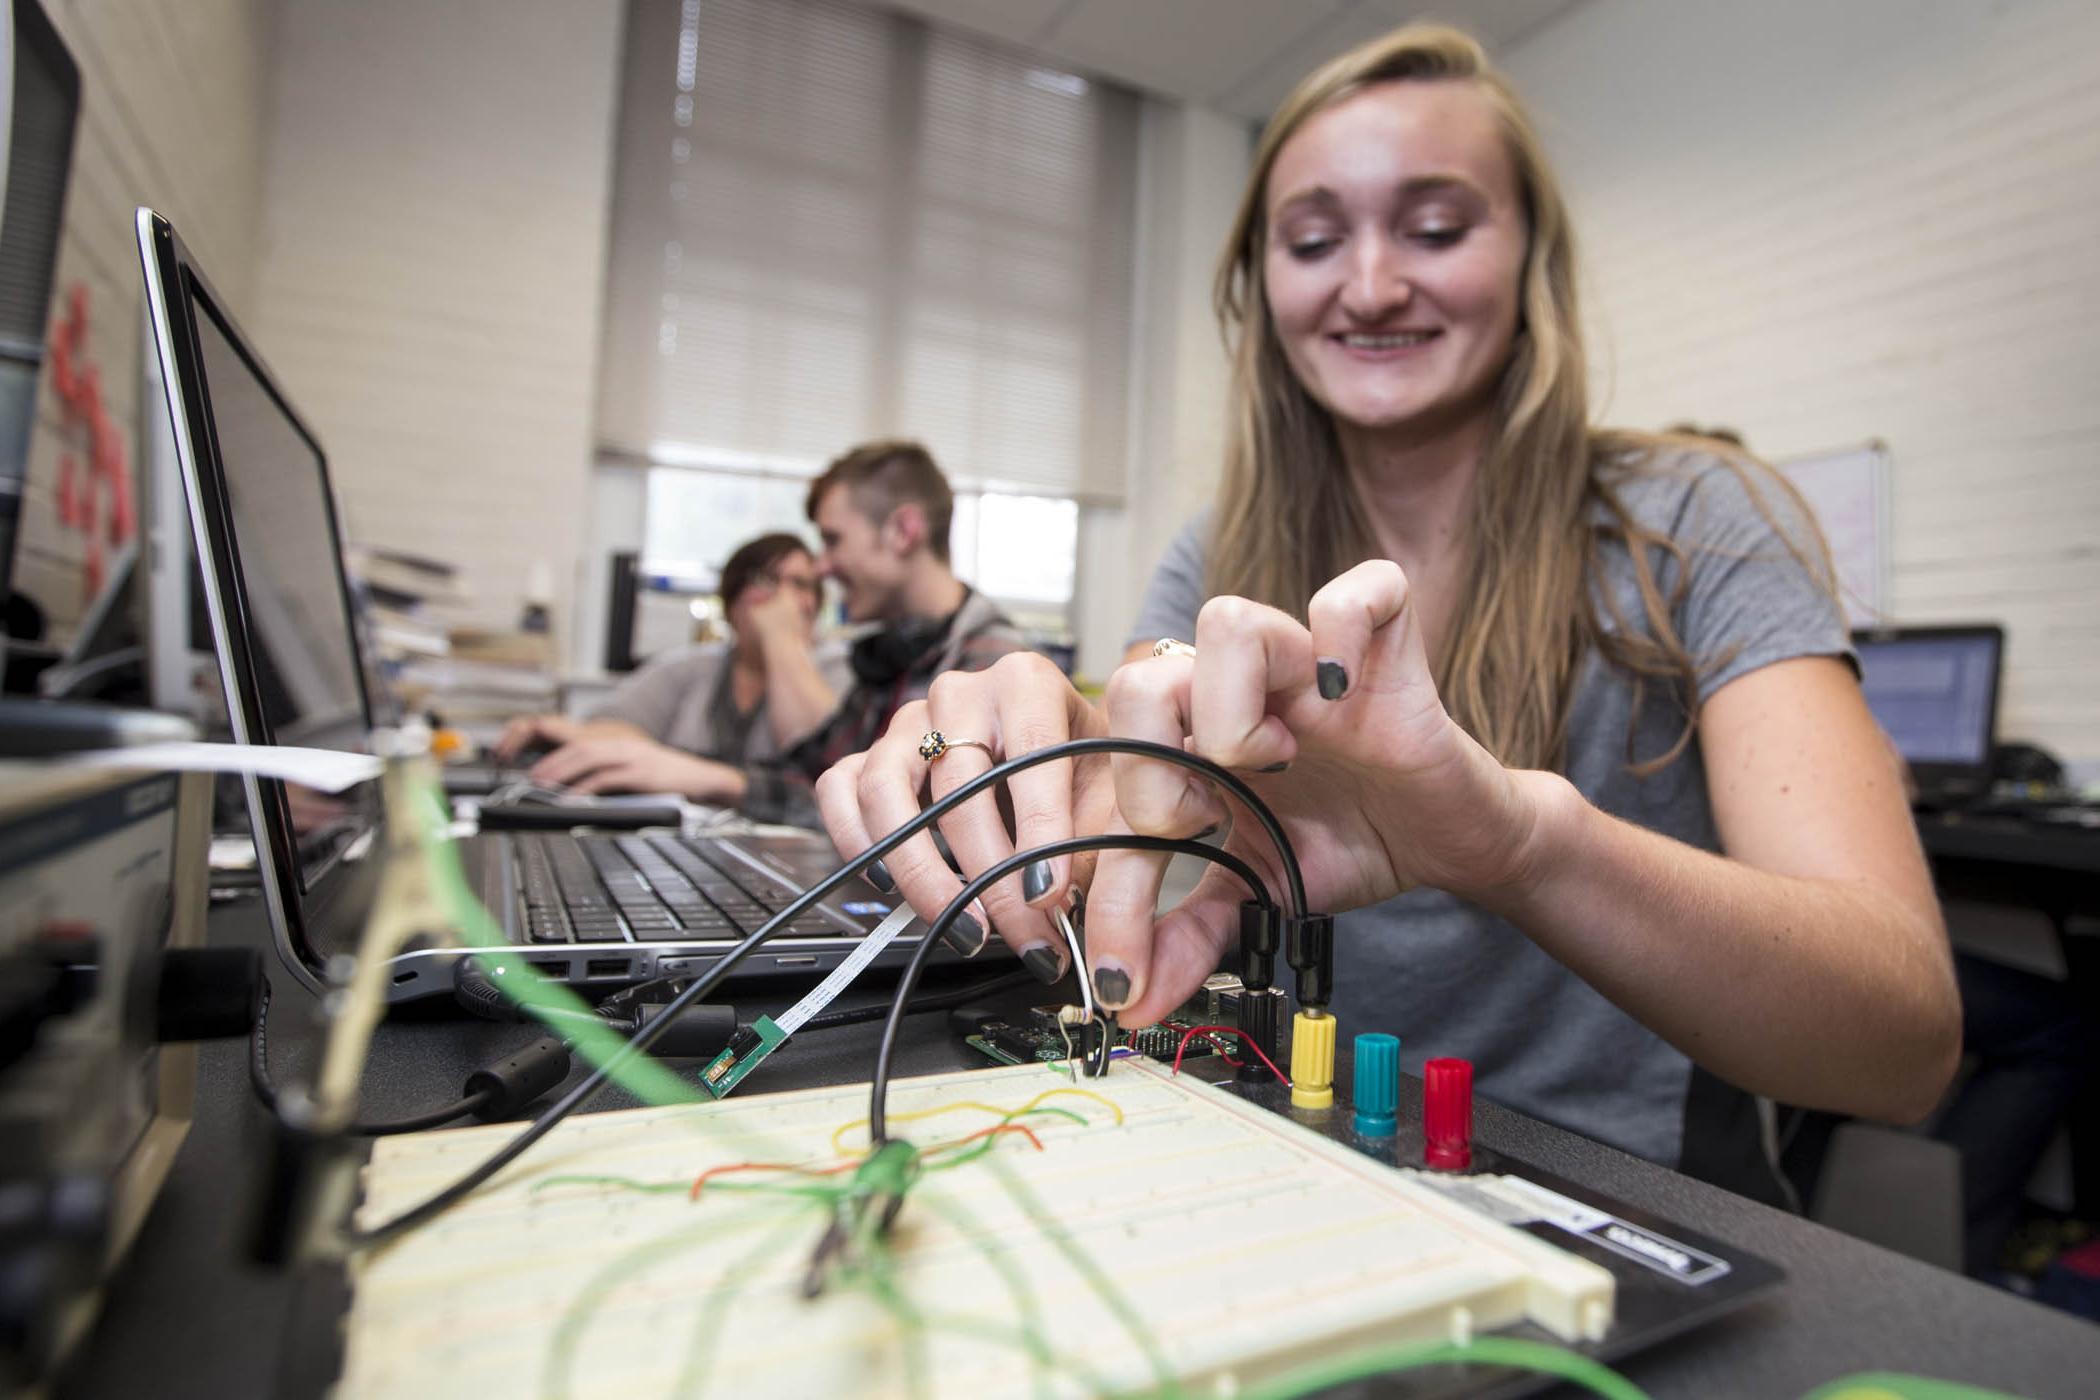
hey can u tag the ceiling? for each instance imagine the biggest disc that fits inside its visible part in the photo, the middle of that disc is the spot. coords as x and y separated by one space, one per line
1239 56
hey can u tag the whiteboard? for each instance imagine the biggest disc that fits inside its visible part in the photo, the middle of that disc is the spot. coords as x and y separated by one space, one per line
1848 489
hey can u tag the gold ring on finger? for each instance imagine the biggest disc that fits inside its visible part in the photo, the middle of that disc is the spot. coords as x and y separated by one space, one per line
934 743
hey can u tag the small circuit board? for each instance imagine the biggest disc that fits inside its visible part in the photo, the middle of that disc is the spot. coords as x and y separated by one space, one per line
751 1045
1038 1037
1010 1044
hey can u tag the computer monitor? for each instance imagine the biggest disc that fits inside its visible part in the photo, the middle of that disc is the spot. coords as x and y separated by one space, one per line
105 657
280 604
1935 690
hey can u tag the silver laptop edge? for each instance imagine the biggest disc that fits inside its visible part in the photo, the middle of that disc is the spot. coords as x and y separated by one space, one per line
214 604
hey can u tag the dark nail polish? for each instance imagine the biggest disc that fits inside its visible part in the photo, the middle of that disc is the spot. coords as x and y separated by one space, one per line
878 875
1112 985
1035 880
1277 767
1043 963
965 935
1334 681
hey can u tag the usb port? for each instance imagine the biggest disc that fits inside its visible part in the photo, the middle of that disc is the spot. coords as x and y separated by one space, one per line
605 967
549 967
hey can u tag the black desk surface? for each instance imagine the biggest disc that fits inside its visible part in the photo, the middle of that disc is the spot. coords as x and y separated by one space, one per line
2010 841
187 1317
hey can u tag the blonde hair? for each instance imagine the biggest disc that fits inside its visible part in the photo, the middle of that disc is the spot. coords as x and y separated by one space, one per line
1288 518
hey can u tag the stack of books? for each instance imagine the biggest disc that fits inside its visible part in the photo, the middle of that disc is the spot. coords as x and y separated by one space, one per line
411 601
441 658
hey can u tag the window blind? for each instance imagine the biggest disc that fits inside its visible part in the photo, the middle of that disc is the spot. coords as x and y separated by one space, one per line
832 223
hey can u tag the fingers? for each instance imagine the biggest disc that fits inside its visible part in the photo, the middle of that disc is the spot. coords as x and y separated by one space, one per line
891 776
1038 708
1145 964
963 707
615 777
1120 905
1363 632
1187 942
838 803
570 762
516 736
1245 653
1149 700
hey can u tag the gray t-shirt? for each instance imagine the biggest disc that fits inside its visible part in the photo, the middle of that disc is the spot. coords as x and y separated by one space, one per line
683 699
1450 979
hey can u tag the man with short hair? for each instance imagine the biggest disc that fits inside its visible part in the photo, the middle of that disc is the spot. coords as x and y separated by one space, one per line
883 511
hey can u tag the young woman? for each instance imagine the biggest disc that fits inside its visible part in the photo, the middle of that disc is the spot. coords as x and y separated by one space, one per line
1569 715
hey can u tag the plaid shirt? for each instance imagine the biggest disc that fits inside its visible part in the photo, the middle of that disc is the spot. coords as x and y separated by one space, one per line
783 789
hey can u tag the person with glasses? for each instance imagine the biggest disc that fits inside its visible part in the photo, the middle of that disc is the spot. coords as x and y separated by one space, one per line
678 720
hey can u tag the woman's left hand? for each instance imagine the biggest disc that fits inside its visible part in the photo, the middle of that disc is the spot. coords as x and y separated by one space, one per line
1383 790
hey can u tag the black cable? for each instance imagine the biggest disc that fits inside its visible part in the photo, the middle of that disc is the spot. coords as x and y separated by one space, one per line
435 1118
878 1089
1294 879
946 1001
448 1196
259 1078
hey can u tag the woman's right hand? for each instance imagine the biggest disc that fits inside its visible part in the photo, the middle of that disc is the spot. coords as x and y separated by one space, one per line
1019 705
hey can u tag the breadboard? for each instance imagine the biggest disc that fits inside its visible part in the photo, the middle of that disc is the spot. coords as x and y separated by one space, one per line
1202 1239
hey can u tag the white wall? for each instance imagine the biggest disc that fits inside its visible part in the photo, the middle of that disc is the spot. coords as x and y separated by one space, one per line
1191 166
432 264
171 115
1825 223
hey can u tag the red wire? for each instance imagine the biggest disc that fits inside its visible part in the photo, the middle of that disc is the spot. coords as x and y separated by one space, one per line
795 1167
1245 1040
800 1170
1223 1053
995 1129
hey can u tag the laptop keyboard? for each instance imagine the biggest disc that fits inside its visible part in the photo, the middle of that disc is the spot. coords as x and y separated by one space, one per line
648 888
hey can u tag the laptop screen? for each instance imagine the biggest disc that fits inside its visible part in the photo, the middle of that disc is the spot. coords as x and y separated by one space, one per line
264 523
305 655
304 659
1935 691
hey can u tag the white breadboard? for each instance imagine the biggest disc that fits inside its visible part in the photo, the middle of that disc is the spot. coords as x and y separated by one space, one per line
1233 1242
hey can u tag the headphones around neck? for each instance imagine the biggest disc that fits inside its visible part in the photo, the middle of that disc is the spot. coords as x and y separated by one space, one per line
885 657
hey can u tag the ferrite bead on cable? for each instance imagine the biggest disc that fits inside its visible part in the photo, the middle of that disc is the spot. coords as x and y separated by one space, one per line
520 1079
700 1032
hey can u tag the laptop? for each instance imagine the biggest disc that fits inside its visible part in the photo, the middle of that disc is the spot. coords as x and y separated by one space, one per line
598 909
1935 691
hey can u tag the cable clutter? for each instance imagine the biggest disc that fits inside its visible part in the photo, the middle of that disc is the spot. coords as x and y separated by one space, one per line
421 885
852 1200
